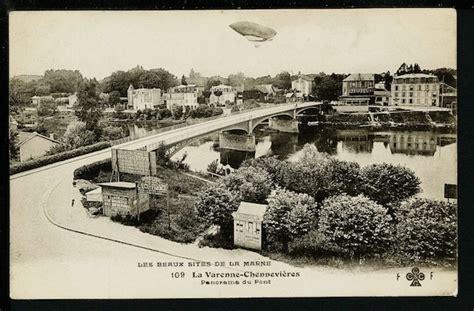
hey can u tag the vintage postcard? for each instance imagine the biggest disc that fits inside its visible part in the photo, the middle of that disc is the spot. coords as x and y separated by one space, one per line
239 153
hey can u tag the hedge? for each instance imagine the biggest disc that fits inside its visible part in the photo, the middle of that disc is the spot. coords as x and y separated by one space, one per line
92 170
31 164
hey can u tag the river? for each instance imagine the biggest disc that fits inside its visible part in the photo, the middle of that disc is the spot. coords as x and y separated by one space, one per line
432 156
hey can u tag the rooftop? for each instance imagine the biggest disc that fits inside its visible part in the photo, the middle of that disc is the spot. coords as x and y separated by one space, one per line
304 77
360 77
23 137
415 75
252 209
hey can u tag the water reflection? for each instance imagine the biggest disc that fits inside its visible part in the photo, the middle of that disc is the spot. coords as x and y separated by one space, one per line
432 156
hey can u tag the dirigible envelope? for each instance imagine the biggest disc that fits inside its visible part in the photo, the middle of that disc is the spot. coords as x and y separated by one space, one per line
253 32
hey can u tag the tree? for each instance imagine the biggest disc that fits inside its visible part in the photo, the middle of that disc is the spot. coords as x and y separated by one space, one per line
272 165
196 78
249 184
356 224
112 133
321 175
138 77
236 80
19 94
416 68
183 80
13 144
215 204
212 82
282 81
88 108
114 98
47 107
426 231
77 135
388 183
62 81
42 88
288 216
177 112
388 78
327 87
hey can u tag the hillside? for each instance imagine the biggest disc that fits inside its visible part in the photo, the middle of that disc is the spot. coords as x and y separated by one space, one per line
27 78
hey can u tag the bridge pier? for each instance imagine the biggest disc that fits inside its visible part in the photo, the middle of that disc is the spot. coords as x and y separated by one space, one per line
245 142
286 126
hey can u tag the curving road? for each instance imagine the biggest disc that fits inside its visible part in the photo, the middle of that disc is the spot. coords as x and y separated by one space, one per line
48 261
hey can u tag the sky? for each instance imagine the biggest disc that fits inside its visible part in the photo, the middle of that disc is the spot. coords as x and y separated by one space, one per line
98 43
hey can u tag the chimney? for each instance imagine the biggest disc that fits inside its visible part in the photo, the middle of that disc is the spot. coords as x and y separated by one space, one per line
51 136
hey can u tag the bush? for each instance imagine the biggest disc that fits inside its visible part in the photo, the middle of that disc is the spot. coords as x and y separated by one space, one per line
271 165
426 231
28 165
112 133
388 183
321 175
215 204
289 215
356 224
314 245
250 184
92 171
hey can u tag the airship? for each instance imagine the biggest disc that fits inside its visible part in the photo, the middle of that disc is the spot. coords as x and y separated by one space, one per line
253 32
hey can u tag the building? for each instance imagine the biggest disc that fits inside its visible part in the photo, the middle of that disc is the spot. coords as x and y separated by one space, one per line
121 198
358 89
36 100
94 195
140 99
271 92
225 94
381 94
34 145
248 225
294 97
415 89
303 84
413 143
183 96
72 100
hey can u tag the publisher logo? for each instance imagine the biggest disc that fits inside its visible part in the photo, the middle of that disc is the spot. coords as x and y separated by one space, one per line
415 276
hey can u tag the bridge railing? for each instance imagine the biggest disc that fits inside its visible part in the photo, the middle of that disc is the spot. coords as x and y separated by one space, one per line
211 126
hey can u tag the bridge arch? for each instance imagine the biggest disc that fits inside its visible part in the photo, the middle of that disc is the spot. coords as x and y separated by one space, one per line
256 122
299 112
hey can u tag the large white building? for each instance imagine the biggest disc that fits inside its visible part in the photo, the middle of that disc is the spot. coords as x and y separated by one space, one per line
303 84
140 99
225 94
415 89
182 95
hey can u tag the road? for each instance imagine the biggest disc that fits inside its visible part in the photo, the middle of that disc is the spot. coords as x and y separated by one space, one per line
50 262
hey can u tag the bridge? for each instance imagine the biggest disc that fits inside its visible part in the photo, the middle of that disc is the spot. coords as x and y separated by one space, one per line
235 131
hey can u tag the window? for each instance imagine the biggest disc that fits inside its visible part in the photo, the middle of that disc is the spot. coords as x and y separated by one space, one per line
396 94
396 87
403 94
403 100
410 101
411 87
411 94
419 87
